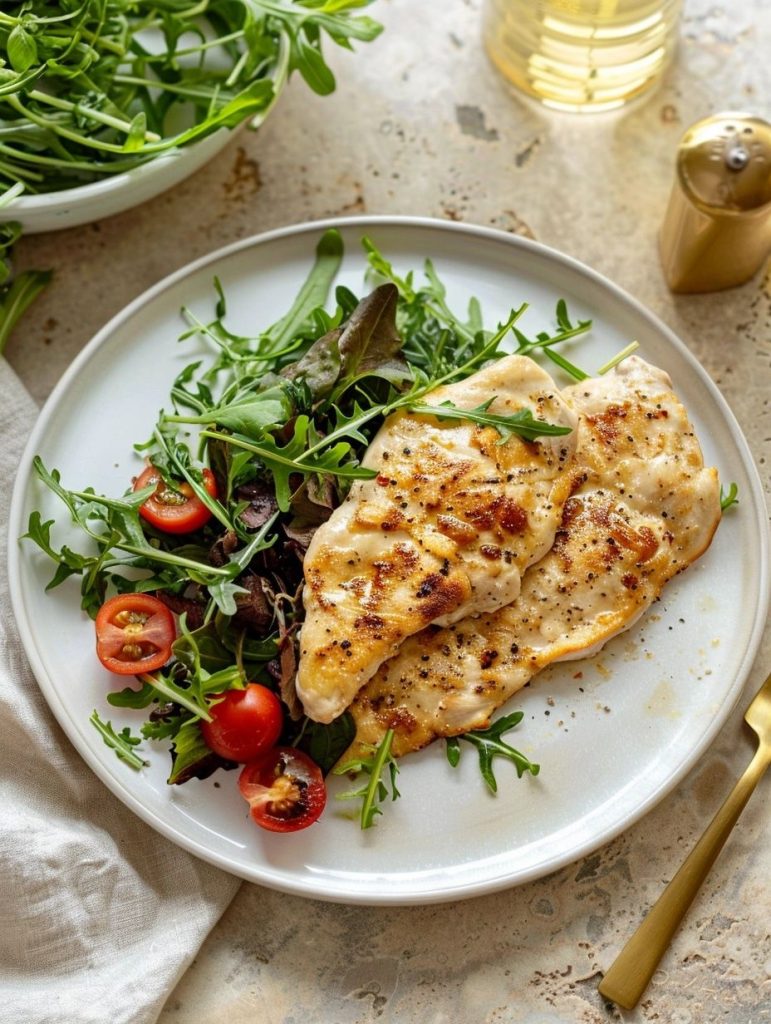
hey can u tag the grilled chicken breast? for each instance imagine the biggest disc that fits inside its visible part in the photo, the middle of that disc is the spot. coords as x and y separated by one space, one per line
447 528
643 509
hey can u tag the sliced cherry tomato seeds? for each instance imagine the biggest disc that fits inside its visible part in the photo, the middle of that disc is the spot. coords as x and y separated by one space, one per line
134 633
284 789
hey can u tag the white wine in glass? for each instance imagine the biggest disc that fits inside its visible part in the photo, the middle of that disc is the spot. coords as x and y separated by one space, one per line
581 55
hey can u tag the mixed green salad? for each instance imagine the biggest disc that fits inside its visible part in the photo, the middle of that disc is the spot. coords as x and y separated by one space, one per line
90 88
93 88
194 576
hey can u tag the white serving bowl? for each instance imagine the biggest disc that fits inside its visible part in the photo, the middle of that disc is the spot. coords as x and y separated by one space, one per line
70 207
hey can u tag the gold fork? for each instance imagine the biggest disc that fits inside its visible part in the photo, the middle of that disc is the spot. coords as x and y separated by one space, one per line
630 972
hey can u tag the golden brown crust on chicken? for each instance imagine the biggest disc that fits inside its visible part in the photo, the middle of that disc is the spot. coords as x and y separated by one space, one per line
644 507
447 528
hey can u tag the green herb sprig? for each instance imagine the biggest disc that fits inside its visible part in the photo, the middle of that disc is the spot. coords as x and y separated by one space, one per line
521 423
374 791
489 744
123 743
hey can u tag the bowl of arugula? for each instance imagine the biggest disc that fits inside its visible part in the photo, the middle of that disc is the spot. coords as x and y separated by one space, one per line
104 104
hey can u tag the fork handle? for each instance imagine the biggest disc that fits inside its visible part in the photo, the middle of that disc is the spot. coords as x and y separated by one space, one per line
629 974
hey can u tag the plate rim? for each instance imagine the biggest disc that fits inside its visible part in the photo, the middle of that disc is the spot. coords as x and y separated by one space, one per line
303 886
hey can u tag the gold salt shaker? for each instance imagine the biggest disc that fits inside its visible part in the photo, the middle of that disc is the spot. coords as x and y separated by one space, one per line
717 229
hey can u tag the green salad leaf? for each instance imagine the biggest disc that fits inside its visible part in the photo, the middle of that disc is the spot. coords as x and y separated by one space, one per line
374 790
521 423
123 742
17 291
490 744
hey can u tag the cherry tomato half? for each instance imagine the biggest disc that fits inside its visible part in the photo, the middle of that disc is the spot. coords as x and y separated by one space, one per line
285 790
134 633
174 510
245 723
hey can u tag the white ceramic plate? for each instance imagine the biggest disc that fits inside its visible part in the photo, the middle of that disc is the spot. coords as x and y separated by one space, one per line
68 208
612 734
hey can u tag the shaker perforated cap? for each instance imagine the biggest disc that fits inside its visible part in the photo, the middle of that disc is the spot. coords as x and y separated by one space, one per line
724 162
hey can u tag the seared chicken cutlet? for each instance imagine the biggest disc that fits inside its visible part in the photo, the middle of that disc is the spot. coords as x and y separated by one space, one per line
643 509
446 529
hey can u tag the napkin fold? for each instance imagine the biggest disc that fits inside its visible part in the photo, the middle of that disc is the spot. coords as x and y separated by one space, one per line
99 915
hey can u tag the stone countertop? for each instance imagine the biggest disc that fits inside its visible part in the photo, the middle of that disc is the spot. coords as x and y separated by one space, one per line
420 124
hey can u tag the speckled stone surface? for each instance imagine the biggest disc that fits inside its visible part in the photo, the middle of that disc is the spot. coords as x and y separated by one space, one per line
421 124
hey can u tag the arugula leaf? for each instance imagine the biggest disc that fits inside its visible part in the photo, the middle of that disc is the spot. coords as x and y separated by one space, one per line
329 254
544 341
249 414
201 680
128 697
382 268
70 563
164 726
295 457
123 743
202 649
192 698
522 423
114 525
490 745
375 791
564 364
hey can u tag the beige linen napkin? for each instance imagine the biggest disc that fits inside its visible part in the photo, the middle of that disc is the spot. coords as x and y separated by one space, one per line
99 915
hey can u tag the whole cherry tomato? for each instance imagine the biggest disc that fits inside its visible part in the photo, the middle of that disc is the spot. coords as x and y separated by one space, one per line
177 509
245 723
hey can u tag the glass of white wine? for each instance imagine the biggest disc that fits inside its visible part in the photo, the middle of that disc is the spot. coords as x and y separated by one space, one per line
581 55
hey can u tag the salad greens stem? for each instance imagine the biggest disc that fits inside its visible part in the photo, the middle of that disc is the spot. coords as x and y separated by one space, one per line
89 112
170 558
729 498
618 358
61 130
11 193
